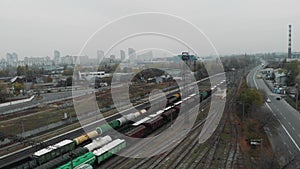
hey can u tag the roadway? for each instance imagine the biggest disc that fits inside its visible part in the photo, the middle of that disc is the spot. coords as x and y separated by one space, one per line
48 97
45 99
286 134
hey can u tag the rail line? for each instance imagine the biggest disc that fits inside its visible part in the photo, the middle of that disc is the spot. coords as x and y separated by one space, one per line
184 148
29 149
189 142
230 156
187 154
120 162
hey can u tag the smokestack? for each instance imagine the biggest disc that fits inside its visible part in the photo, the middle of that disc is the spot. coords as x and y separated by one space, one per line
290 42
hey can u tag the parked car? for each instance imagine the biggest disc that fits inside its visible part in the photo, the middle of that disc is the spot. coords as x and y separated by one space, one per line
268 100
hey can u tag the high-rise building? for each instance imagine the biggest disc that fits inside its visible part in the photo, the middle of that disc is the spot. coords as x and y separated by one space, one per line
12 59
56 57
67 60
147 56
122 55
100 56
290 42
2 63
131 54
112 57
38 61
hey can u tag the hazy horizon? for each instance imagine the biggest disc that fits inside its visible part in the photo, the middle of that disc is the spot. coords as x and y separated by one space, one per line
37 28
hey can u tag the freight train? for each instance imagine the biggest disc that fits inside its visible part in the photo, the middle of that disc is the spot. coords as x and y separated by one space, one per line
151 123
112 124
50 157
148 125
97 156
119 122
96 143
47 157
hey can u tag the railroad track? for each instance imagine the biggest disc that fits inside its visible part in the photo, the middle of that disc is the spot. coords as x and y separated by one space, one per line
231 157
233 151
239 160
189 156
28 150
206 157
167 160
121 162
206 160
235 157
132 150
184 148
223 151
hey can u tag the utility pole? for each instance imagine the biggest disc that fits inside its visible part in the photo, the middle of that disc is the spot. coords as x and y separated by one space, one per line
185 58
22 126
243 111
261 148
243 104
297 95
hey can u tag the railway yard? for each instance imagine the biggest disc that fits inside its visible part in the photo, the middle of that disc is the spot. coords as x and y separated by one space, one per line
96 145
149 85
220 151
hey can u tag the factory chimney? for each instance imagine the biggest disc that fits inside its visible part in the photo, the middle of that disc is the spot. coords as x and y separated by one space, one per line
290 42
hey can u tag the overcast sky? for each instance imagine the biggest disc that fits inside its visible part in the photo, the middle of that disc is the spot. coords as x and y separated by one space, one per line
38 27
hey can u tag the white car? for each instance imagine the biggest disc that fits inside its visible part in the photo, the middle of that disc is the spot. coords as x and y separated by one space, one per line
268 100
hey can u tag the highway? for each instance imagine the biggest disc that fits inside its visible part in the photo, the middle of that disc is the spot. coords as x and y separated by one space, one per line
288 128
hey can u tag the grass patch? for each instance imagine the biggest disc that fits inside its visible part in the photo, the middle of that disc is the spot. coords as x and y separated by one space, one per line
290 101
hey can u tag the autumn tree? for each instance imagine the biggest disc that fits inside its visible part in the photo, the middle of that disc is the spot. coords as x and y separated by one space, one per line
4 73
69 81
18 87
21 71
68 72
251 98
48 79
3 93
293 70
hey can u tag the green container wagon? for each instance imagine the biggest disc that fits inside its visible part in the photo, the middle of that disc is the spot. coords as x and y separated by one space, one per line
88 158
